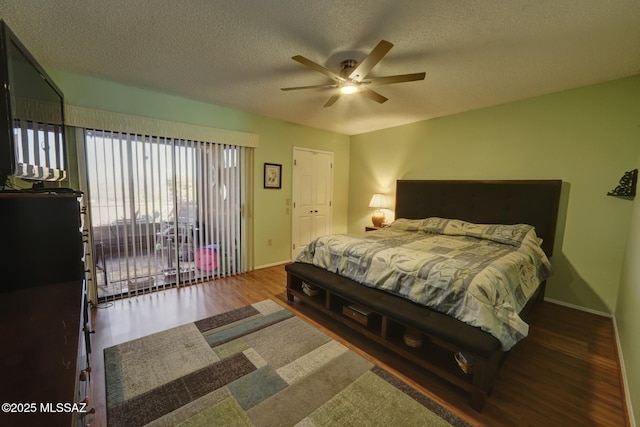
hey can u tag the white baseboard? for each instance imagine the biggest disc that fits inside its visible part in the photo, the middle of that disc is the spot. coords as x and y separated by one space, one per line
271 265
623 371
577 307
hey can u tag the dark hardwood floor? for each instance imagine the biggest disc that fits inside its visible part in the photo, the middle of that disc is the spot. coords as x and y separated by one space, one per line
566 373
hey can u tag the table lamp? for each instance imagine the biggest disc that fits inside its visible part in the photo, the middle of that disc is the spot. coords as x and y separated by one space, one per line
378 202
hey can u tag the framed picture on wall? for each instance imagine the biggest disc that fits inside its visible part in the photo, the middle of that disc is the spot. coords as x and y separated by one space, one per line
272 175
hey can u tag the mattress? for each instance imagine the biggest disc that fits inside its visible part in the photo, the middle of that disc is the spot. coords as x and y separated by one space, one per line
481 274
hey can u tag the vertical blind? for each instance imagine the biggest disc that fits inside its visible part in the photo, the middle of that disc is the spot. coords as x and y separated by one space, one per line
164 211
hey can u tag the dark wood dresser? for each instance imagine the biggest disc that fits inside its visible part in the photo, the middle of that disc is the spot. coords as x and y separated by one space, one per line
44 318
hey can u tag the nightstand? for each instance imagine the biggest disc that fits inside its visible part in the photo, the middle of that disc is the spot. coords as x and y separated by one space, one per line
372 228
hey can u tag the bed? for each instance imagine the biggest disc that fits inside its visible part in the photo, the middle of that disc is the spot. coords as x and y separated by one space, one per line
437 337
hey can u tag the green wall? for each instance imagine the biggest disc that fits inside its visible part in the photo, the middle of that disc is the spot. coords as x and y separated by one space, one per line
627 312
588 137
276 142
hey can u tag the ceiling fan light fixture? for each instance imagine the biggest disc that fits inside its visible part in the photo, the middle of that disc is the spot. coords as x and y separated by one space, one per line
351 77
348 88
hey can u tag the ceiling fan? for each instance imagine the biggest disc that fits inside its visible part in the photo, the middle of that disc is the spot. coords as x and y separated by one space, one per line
352 77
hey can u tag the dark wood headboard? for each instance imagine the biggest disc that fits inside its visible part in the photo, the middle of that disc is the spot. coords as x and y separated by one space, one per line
533 202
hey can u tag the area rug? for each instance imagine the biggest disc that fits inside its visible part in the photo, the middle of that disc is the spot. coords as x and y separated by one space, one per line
259 365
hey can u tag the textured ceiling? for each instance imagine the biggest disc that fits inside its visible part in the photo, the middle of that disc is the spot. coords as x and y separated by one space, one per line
237 53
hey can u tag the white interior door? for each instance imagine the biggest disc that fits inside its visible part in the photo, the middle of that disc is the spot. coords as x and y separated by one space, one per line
312 196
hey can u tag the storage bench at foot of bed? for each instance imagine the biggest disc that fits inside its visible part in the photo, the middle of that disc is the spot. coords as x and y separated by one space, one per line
384 318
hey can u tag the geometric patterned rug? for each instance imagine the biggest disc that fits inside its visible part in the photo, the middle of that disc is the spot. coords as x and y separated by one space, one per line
259 365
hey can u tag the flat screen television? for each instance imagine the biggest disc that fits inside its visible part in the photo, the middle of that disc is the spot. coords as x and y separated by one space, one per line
32 137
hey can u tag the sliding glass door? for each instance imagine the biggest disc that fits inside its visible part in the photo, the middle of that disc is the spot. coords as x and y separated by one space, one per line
163 211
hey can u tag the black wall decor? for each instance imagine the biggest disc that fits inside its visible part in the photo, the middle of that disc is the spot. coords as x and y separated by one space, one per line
627 186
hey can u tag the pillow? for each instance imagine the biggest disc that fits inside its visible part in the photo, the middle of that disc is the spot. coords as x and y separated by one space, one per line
404 224
435 225
512 235
532 238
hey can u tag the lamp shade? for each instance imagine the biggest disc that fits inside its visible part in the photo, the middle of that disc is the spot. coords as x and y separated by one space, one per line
378 201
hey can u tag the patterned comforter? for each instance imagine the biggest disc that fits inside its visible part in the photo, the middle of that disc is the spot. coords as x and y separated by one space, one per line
480 274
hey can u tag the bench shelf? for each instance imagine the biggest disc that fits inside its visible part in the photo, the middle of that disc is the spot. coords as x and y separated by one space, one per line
390 316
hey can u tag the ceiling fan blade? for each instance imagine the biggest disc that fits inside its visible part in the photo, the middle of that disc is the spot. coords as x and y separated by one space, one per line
371 60
377 81
309 63
372 95
327 86
331 101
